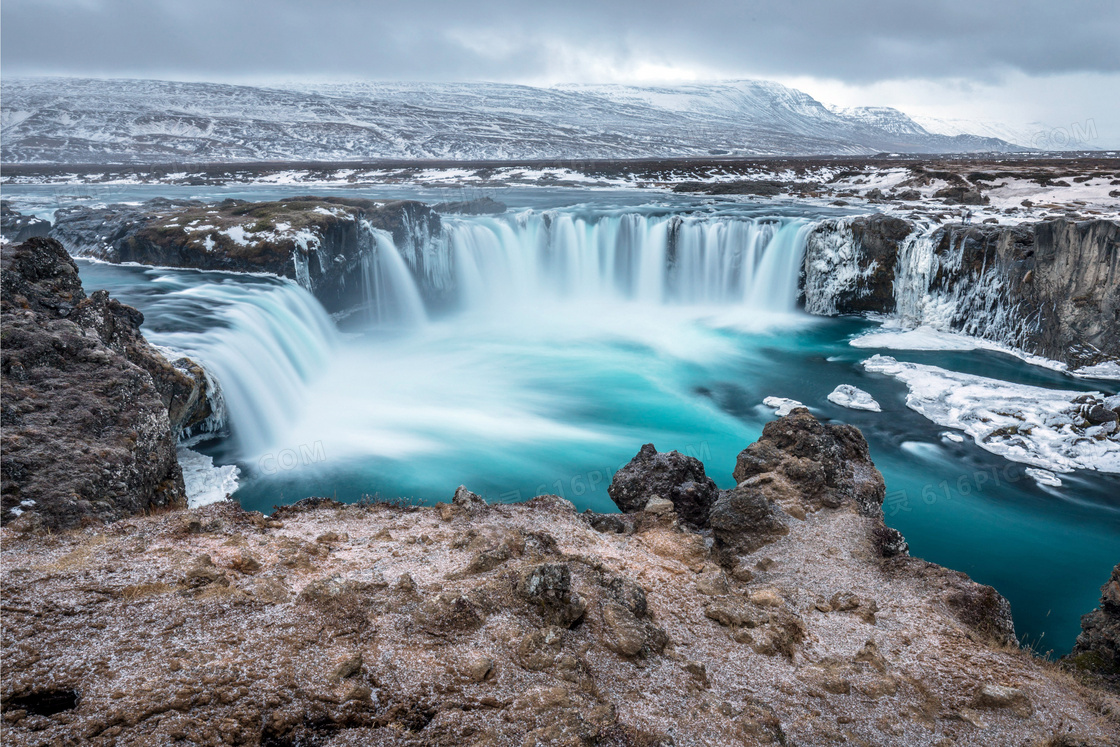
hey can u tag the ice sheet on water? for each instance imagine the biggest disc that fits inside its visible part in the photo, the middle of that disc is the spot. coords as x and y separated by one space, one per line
1028 424
854 398
891 336
205 482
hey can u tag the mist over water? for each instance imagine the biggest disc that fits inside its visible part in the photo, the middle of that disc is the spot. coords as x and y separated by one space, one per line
565 338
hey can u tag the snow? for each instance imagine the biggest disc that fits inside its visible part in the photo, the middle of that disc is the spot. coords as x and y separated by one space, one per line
853 398
782 405
205 482
237 233
1022 423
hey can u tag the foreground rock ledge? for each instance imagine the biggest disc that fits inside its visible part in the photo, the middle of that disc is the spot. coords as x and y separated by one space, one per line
506 625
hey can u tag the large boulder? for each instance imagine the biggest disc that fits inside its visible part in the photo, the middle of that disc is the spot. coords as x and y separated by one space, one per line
669 475
829 465
1098 645
86 428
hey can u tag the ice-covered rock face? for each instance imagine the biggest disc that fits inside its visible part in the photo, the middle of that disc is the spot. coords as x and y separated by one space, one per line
1043 427
1050 288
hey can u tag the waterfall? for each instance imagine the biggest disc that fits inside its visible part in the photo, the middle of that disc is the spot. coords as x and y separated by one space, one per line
264 342
503 261
389 293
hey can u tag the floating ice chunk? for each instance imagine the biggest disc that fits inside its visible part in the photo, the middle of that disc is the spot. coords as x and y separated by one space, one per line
1044 477
206 483
854 398
782 405
1041 427
951 436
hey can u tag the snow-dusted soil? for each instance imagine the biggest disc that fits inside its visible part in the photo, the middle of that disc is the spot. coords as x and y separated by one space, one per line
1042 427
394 625
1028 189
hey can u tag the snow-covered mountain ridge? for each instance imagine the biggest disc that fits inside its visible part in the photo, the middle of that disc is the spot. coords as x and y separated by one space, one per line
71 120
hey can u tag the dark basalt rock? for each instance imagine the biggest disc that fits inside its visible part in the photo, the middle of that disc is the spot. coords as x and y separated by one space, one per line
762 187
17 227
830 465
1051 288
962 195
274 238
670 475
87 433
1098 646
877 238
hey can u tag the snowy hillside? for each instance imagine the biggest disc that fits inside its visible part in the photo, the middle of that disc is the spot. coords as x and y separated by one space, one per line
66 120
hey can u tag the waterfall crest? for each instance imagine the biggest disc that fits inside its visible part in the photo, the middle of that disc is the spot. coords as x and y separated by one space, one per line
502 261
264 342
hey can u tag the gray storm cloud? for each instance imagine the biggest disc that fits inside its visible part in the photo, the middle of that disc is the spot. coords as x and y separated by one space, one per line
856 42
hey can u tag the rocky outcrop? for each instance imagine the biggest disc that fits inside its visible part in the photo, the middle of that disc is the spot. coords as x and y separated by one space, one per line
824 465
1051 288
671 476
323 243
16 227
1098 645
374 624
90 410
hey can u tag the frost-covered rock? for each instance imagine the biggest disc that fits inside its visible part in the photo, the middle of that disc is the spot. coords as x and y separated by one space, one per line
854 398
206 483
1044 477
1042 427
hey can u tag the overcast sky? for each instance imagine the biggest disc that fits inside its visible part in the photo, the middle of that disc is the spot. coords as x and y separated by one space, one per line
1031 65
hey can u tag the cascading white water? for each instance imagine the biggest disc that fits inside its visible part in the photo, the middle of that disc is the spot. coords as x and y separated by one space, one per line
389 292
265 343
627 257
